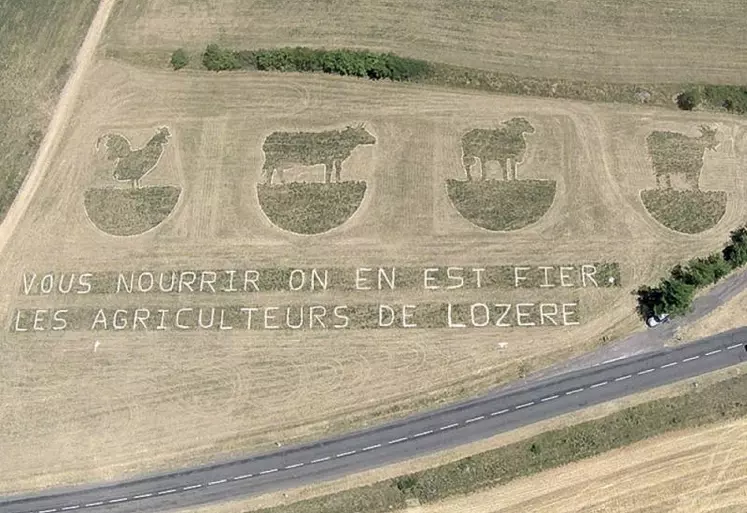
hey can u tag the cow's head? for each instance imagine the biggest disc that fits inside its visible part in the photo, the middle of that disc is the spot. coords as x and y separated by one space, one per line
520 125
360 135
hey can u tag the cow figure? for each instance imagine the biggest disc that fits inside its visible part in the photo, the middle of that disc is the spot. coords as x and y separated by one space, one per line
505 145
673 153
331 148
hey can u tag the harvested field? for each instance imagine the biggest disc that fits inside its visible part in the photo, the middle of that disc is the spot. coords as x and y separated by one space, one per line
585 39
39 40
97 405
698 471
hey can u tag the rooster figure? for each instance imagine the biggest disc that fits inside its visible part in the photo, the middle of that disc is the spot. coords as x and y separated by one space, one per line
132 165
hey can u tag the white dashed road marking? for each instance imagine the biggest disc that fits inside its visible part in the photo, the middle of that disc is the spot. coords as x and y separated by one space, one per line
398 440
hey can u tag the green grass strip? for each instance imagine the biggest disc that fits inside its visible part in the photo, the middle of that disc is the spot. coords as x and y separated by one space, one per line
720 402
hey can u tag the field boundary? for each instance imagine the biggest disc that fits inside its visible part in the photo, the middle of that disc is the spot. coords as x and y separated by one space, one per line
56 126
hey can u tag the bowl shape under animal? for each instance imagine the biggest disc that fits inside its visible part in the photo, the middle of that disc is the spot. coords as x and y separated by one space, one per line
501 205
130 211
310 208
685 211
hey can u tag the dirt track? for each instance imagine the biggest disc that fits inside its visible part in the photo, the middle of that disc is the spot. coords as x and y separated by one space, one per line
59 122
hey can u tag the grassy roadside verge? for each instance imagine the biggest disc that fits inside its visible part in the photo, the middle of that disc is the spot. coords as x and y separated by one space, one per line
719 402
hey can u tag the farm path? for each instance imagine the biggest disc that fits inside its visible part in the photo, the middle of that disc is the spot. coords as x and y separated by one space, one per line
57 125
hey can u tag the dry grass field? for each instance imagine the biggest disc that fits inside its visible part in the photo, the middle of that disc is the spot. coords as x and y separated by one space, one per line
532 488
633 41
39 41
698 471
81 406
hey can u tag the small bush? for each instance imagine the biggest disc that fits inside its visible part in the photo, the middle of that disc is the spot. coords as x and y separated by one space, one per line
216 58
688 100
179 59
735 253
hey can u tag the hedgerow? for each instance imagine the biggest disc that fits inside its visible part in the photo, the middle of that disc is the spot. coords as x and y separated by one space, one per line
346 62
674 294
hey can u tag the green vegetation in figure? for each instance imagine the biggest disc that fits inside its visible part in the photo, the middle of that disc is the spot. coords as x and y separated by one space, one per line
673 153
132 165
505 145
330 148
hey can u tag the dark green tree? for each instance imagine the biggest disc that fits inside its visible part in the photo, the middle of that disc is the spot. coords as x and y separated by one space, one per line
688 100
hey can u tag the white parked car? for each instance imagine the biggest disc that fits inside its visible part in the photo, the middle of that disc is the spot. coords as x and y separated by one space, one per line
657 319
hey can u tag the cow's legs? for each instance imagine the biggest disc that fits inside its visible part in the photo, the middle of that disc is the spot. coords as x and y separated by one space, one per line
669 181
338 169
328 172
281 176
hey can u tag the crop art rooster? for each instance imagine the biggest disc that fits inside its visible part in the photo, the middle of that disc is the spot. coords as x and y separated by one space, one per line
132 165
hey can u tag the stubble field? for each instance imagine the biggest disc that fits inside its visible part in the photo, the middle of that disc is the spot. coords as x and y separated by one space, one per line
85 406
635 41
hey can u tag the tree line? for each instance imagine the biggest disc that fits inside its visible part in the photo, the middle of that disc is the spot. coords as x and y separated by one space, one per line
346 62
674 294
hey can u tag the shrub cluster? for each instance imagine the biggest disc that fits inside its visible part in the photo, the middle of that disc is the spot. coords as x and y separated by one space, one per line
179 59
674 294
357 63
730 97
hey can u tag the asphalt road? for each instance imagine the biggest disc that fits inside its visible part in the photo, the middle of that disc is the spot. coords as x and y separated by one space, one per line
404 439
